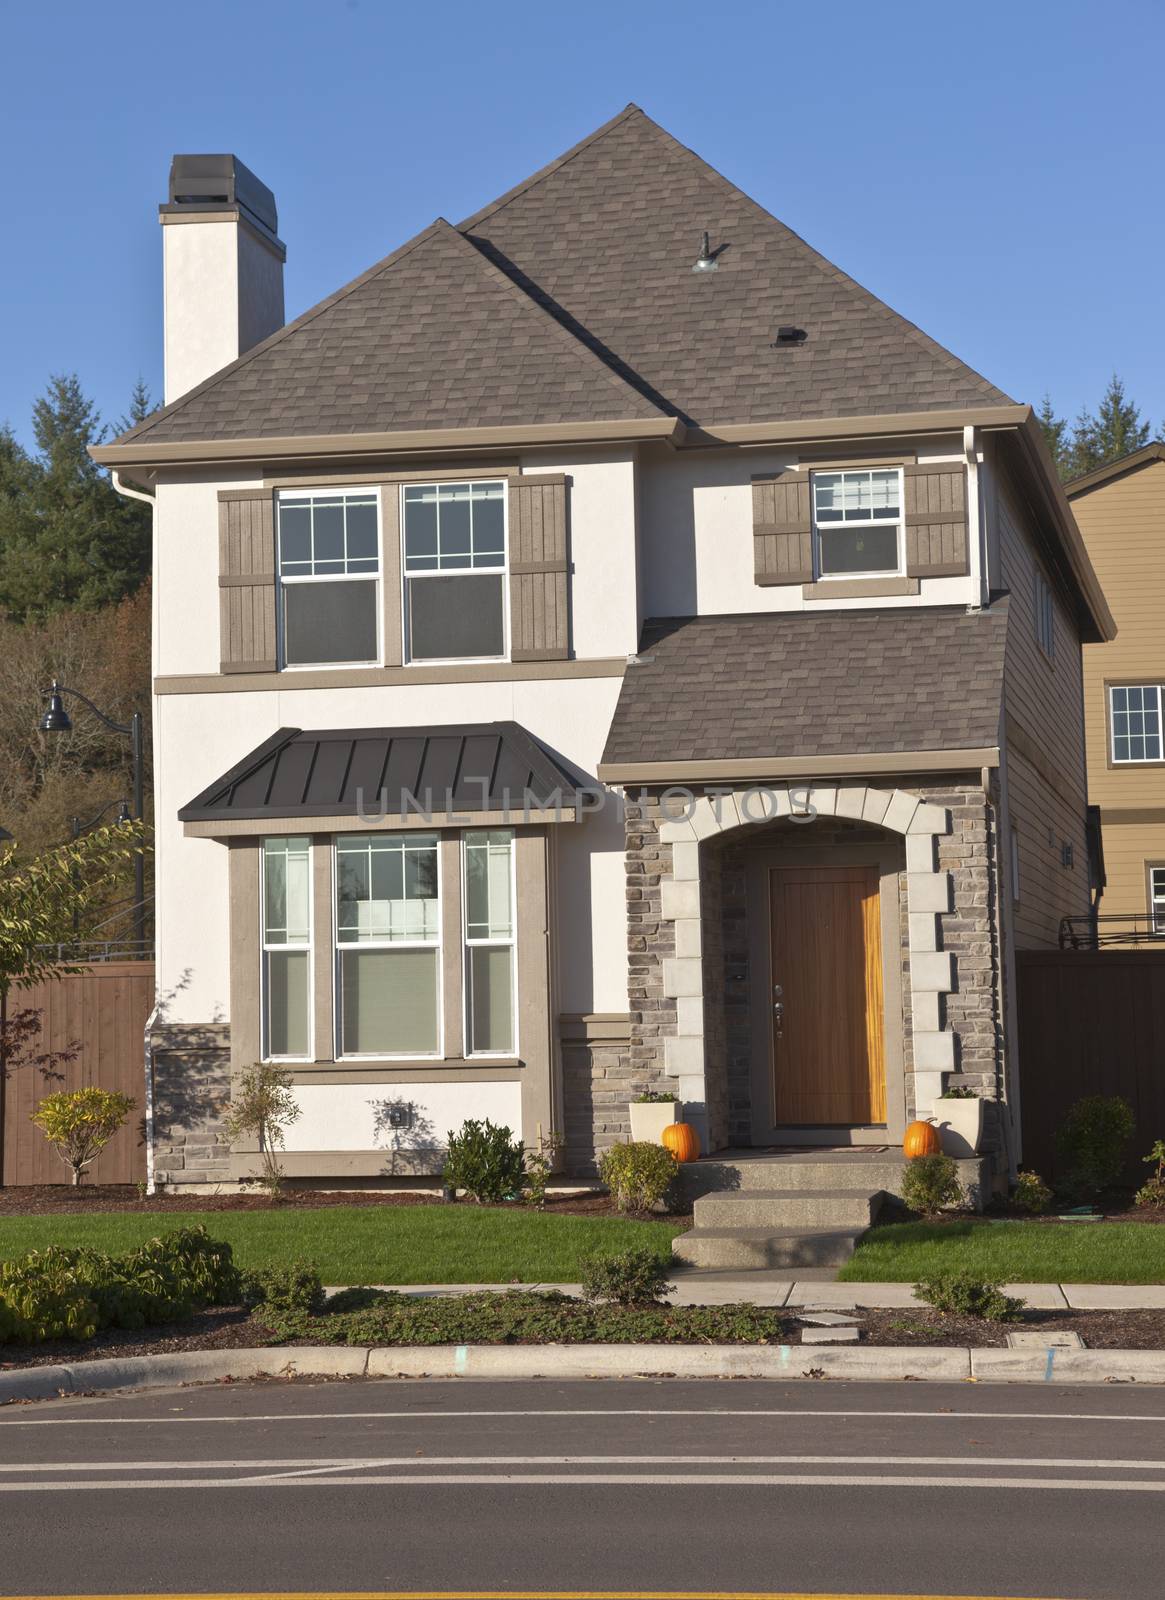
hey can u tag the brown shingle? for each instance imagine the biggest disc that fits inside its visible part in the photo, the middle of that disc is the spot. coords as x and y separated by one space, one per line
822 683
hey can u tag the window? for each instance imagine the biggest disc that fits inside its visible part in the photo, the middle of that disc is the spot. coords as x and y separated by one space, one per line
1157 898
489 942
455 571
1045 615
286 900
1135 716
857 517
329 566
388 937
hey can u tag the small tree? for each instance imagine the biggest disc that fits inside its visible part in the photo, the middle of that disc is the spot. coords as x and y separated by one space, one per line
79 1123
264 1108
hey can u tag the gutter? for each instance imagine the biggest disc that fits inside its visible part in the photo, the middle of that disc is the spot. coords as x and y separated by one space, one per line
807 768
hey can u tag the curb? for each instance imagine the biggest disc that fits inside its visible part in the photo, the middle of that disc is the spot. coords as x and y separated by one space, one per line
784 1362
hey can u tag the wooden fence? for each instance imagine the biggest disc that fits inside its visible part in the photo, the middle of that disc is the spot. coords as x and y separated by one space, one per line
1090 1022
95 1019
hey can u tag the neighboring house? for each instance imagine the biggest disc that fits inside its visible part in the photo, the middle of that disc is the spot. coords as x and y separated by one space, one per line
1121 513
545 515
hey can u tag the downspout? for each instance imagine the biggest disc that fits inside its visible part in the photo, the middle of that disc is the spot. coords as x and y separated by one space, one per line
976 543
150 500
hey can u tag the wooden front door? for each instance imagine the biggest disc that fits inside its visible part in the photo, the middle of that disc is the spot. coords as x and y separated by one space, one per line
828 1050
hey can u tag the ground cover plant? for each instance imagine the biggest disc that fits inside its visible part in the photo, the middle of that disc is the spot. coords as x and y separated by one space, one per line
371 1244
1010 1252
962 1294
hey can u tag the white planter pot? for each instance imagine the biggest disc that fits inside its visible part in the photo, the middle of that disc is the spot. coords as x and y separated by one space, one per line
649 1120
960 1122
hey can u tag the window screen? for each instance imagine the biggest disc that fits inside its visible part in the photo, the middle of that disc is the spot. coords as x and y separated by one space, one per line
454 565
329 587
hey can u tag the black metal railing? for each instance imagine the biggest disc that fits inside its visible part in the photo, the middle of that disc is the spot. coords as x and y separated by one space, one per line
1104 928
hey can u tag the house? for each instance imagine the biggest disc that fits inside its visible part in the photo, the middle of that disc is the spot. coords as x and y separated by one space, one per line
601 648
1120 510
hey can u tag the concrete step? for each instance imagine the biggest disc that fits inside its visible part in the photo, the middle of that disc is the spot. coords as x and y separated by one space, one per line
755 1249
782 1209
792 1172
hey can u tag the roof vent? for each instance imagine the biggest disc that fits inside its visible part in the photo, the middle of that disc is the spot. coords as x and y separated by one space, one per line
706 261
787 334
204 183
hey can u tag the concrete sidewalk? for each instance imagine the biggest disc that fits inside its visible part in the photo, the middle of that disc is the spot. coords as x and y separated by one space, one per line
765 1289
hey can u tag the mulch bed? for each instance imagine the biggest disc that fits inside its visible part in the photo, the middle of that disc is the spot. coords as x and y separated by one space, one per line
235 1329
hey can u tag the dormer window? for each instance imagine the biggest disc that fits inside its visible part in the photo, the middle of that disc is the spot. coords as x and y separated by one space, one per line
329 571
857 523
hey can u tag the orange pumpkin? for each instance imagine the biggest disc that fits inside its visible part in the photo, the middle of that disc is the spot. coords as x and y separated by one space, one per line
922 1139
682 1140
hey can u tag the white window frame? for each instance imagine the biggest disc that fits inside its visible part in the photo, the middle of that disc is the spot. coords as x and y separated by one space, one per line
1155 872
469 944
898 523
1136 761
436 945
503 572
1045 609
375 578
267 948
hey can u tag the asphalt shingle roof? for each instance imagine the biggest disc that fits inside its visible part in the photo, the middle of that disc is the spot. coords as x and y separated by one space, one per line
822 683
572 299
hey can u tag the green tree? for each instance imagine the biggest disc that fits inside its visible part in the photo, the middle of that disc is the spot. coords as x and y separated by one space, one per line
1116 430
67 539
1055 434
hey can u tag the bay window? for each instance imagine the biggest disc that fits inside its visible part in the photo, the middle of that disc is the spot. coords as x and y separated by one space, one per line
329 578
857 522
489 942
388 938
455 571
286 977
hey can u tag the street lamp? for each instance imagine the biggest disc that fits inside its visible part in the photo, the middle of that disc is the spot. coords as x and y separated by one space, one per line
57 720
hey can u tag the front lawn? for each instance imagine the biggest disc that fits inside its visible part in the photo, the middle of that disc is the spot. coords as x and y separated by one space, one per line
1011 1252
369 1244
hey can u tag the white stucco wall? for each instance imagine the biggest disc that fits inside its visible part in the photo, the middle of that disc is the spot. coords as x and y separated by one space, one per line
223 293
354 1116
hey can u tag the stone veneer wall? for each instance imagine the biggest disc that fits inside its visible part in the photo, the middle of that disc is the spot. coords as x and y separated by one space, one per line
950 955
192 1085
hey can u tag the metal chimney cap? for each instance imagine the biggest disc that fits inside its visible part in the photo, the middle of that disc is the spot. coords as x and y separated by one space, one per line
208 182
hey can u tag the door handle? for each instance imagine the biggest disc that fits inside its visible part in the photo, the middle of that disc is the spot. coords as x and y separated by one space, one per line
778 1008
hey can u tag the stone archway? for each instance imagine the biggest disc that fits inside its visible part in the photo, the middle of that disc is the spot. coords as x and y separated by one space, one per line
929 895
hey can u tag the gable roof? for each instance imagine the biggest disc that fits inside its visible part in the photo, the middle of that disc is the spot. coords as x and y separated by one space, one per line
790 687
1133 462
571 300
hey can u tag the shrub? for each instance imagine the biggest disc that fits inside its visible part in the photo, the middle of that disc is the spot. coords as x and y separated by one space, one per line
633 1277
653 1097
1031 1193
1153 1192
264 1108
539 1164
961 1294
203 1266
638 1175
486 1161
295 1289
41 1298
931 1182
79 1123
1091 1142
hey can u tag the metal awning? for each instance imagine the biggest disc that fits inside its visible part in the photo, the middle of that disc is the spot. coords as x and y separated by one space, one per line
389 777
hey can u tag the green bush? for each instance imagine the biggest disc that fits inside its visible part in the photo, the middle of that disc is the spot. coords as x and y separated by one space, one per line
61 1293
638 1175
286 1291
1031 1193
486 1161
656 1097
961 1294
633 1277
929 1183
1091 1142
1153 1192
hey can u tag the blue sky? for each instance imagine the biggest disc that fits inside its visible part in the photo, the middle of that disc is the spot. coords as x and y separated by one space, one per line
991 171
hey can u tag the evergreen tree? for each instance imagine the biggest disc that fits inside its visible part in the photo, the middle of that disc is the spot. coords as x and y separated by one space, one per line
141 403
1055 431
1115 431
66 537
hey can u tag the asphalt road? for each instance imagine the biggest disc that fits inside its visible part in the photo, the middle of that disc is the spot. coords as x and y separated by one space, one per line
632 1486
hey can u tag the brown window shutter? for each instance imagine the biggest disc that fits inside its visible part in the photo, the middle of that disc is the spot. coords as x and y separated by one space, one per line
782 529
936 520
390 575
246 577
539 615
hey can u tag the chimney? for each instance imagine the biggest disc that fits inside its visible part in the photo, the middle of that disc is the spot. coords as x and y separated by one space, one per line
223 267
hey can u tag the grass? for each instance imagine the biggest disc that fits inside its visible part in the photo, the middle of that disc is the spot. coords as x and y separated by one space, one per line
368 1244
1011 1252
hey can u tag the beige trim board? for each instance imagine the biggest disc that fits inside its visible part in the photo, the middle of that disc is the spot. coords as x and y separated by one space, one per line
227 828
1127 816
807 767
577 1028
423 1071
872 427
860 588
388 677
459 469
229 213
402 441
843 463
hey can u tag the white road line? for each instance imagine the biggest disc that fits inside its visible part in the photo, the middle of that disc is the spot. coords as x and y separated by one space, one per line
305 1464
453 1416
629 1479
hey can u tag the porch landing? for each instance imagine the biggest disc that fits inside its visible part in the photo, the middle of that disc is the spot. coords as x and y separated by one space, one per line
766 1210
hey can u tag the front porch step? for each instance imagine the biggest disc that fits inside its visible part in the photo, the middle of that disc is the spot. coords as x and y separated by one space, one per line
710 1175
787 1209
758 1249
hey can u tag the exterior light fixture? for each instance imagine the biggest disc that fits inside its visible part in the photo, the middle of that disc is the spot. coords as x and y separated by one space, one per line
56 719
